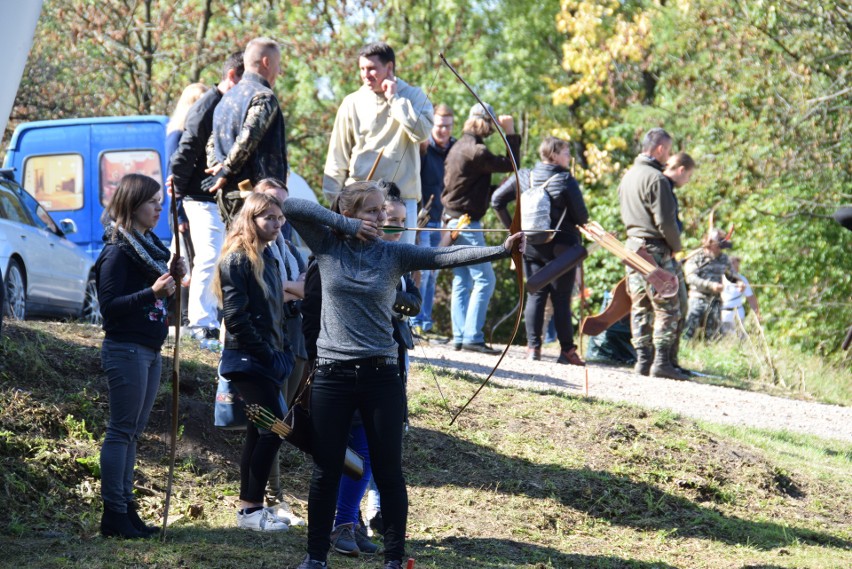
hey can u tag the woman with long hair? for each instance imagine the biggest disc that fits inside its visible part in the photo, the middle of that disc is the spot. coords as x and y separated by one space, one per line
256 356
134 286
357 358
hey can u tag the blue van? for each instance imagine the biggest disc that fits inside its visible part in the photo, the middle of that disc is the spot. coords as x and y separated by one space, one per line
72 167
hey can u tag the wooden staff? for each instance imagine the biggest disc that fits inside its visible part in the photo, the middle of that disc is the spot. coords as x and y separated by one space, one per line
375 164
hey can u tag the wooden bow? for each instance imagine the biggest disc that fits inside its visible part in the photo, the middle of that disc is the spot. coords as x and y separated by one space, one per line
515 227
175 371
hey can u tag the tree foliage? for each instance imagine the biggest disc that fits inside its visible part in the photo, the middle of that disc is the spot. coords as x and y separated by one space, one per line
756 90
758 93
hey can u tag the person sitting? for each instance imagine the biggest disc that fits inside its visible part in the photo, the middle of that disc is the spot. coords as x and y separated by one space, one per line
733 298
704 272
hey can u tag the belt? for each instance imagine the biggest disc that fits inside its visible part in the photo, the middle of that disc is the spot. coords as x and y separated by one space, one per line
376 362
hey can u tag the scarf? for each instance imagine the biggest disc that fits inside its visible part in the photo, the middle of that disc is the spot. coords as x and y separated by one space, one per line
145 250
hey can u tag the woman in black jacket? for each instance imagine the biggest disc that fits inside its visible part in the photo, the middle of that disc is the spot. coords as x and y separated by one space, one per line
134 287
256 355
567 210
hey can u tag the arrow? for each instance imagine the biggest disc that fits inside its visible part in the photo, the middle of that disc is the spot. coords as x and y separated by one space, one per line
397 229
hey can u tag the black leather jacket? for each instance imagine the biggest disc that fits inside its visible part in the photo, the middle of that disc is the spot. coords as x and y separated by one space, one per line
253 322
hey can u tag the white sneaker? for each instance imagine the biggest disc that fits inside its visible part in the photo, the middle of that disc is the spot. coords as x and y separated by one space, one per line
261 520
283 512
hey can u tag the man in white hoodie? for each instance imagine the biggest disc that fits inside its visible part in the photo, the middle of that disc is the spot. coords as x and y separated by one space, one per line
385 115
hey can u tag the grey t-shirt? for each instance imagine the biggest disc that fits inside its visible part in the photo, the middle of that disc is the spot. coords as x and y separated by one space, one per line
359 279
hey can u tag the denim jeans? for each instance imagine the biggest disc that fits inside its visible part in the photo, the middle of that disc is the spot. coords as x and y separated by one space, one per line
472 289
427 279
377 392
351 490
133 377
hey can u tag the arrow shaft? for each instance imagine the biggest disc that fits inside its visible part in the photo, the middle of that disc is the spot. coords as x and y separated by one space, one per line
389 228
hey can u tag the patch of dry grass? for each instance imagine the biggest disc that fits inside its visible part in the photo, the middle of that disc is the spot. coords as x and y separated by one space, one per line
523 479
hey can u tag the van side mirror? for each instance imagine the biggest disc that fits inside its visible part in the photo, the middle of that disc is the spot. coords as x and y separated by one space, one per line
67 226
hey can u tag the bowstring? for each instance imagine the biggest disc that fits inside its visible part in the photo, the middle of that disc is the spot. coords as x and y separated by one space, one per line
417 119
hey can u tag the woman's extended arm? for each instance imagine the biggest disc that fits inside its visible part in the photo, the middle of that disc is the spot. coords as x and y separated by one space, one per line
414 257
312 222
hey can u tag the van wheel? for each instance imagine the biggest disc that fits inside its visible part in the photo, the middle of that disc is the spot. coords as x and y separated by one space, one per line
15 306
91 305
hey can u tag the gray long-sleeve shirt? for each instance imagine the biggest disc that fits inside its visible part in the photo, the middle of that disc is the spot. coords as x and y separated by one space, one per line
359 279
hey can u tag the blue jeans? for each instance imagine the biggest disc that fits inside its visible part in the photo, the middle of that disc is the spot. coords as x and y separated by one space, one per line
133 377
352 491
427 279
472 289
377 392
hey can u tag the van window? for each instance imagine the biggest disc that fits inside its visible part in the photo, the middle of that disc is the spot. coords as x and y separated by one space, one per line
56 180
115 164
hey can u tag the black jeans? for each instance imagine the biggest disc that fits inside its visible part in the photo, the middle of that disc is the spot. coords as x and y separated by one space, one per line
560 295
260 449
378 393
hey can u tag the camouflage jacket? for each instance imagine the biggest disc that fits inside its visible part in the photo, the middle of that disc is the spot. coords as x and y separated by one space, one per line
248 134
703 271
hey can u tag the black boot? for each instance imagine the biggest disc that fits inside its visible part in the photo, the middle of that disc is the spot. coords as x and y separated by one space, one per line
117 524
644 356
133 514
674 360
663 367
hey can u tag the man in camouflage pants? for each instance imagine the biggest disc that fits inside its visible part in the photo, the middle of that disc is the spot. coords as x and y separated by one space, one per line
649 213
704 272
679 169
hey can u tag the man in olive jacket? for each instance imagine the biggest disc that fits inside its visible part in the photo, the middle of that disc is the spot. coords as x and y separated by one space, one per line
649 213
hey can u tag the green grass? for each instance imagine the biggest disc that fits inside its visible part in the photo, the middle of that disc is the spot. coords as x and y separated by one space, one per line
522 480
749 362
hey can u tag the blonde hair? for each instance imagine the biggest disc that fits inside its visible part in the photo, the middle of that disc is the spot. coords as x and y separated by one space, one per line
478 127
242 239
352 197
188 97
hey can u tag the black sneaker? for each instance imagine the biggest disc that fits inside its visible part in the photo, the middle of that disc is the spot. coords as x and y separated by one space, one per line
395 564
457 347
377 524
481 348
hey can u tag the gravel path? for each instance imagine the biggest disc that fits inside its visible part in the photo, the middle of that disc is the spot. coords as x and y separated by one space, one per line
711 403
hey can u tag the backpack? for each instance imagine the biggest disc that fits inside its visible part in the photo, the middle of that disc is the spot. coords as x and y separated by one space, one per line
535 212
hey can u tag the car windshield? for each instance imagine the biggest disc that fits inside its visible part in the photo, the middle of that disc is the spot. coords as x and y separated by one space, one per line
40 216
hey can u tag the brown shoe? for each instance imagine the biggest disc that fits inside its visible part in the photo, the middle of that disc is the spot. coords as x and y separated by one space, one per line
570 357
534 354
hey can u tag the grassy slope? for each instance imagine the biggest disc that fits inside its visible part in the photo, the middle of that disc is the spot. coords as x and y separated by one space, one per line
523 479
